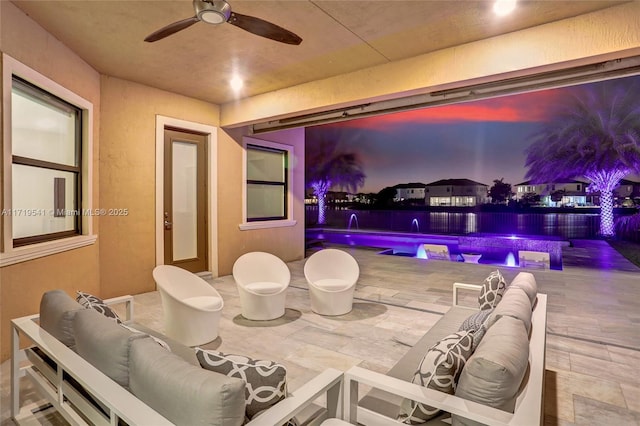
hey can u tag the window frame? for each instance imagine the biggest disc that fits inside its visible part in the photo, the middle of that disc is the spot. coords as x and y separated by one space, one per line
11 253
45 96
268 223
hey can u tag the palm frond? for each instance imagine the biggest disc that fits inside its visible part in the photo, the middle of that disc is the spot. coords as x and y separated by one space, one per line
594 128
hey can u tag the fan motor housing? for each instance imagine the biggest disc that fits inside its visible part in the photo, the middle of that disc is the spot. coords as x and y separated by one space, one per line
212 11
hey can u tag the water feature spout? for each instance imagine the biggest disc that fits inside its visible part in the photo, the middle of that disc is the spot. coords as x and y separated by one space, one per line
511 260
353 218
417 224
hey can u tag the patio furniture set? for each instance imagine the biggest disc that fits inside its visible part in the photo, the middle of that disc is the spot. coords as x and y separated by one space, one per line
95 368
192 307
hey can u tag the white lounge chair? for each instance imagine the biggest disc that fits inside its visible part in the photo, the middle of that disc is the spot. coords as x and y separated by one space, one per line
262 281
332 275
191 306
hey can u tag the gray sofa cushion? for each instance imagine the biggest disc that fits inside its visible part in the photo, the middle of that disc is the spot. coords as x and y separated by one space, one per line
527 282
104 344
184 394
515 303
158 340
493 374
57 310
185 352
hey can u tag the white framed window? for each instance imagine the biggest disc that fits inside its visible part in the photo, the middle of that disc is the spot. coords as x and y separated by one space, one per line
267 186
46 166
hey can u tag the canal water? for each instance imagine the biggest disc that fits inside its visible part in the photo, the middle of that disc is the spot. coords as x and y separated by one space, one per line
560 225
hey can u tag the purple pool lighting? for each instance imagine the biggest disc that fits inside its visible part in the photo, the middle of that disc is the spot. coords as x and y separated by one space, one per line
495 249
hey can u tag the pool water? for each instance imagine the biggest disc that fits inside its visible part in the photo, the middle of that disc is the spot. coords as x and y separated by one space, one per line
494 250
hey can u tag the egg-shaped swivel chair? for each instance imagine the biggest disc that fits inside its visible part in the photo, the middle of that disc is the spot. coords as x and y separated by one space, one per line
192 307
262 280
332 275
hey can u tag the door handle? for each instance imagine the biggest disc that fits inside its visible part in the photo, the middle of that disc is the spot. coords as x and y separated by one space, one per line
167 225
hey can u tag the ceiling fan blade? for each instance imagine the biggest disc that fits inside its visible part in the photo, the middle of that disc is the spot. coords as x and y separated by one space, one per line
263 28
171 29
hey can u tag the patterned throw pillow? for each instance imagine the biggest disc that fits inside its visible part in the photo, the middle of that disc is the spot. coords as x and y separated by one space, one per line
492 289
477 325
439 370
266 382
94 302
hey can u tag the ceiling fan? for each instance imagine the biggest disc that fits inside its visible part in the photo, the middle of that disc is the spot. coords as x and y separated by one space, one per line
218 12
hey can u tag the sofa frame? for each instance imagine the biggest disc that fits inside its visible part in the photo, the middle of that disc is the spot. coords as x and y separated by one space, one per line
66 383
529 407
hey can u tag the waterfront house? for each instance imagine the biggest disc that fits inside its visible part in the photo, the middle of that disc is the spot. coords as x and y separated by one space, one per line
410 192
456 193
627 193
569 193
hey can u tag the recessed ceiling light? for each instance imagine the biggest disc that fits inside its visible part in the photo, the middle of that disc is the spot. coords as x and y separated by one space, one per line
236 83
504 7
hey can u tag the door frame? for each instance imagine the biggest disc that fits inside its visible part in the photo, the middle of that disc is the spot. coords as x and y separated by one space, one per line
212 182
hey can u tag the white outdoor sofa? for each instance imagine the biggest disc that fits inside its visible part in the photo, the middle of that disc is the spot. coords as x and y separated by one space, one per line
83 395
380 405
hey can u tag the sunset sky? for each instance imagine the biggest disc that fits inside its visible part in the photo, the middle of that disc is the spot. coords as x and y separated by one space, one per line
479 140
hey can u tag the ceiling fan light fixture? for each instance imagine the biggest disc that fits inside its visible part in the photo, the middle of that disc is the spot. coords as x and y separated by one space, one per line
218 12
212 11
211 17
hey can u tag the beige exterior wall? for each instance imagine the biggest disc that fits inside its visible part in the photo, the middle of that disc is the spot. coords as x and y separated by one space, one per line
22 284
287 242
128 178
608 34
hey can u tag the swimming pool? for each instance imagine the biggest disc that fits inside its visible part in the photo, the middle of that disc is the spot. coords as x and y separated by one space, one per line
494 249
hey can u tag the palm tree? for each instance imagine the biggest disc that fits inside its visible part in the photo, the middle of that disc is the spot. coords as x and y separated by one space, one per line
326 167
596 135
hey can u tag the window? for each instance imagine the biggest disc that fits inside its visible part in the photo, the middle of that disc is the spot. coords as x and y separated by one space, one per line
266 183
267 189
46 205
46 171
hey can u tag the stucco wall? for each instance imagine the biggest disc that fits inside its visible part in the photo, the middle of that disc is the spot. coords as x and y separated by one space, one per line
22 284
287 242
127 178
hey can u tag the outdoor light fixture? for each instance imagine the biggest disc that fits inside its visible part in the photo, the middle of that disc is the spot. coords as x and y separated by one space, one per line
504 7
236 83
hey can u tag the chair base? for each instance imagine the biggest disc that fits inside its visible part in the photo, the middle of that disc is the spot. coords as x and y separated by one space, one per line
261 318
330 313
328 304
